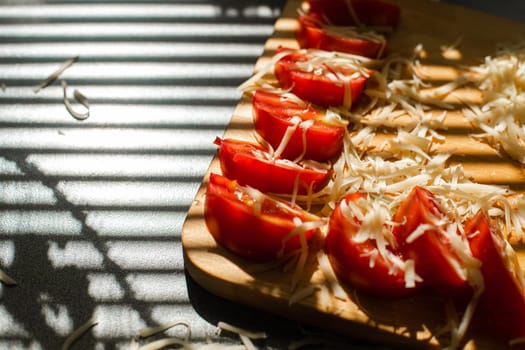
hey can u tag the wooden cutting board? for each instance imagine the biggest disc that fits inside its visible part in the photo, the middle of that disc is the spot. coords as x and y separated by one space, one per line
408 323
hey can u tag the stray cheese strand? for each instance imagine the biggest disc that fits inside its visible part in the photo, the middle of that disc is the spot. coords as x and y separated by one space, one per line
78 332
4 278
80 98
68 63
148 332
245 335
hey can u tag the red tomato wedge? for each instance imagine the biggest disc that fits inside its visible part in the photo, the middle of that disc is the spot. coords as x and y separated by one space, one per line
359 263
501 307
251 224
420 236
314 136
321 80
357 12
252 165
314 34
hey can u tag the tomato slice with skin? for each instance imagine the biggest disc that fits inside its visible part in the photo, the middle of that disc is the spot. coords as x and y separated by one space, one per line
321 85
501 307
273 115
351 260
313 34
252 228
369 12
431 251
251 164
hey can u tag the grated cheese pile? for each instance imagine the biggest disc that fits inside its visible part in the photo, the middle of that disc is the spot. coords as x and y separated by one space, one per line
388 171
502 117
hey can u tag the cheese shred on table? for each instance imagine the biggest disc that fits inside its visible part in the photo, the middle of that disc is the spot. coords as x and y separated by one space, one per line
6 279
77 333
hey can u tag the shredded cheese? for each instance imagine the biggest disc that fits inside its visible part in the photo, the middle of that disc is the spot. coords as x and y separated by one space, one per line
245 335
296 121
162 343
78 333
149 331
329 274
388 172
80 98
68 63
411 277
301 294
300 230
4 278
502 116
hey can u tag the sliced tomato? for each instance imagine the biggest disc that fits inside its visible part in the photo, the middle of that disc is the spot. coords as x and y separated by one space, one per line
250 224
314 34
322 140
377 13
359 264
252 165
434 259
313 80
501 307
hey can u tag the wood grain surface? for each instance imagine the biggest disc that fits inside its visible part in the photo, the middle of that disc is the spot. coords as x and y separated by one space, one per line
403 323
